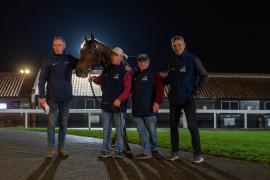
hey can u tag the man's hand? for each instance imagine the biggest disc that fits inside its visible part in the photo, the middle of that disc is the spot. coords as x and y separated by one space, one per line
42 102
117 103
91 78
155 107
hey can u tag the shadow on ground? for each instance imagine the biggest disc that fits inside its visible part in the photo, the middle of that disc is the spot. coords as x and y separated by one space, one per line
130 168
47 169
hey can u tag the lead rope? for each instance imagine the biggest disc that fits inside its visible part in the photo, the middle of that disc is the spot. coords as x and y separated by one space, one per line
92 89
91 84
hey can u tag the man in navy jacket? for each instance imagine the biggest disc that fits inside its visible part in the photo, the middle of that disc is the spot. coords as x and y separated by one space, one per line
186 77
56 76
147 94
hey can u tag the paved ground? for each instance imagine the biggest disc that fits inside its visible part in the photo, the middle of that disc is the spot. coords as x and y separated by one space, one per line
22 155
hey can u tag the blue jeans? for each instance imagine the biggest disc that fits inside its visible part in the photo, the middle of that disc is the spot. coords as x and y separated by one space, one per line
59 112
144 125
108 118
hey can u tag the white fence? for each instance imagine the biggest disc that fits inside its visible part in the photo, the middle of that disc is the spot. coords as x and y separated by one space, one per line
90 112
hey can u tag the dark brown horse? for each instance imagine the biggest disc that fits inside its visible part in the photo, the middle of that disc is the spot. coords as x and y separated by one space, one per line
93 53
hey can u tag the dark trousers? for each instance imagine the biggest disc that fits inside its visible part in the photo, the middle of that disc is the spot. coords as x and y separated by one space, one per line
190 112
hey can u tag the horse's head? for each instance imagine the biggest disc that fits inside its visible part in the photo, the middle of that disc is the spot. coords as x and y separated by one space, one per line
92 54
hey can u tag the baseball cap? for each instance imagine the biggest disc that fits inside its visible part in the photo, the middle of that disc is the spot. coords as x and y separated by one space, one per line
143 57
118 51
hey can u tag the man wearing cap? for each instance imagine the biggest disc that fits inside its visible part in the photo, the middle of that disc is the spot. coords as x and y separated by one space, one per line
186 77
115 84
56 71
147 94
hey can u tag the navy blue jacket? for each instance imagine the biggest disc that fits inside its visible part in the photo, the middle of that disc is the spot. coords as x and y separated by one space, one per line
112 87
182 78
57 72
143 93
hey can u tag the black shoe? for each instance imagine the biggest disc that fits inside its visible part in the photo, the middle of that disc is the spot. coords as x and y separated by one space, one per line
104 154
156 155
118 155
142 156
197 159
174 156
128 154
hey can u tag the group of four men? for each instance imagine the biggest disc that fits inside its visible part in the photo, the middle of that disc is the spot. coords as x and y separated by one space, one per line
186 77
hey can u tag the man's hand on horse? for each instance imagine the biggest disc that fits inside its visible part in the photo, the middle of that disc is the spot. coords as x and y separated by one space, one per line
117 103
155 107
92 78
42 102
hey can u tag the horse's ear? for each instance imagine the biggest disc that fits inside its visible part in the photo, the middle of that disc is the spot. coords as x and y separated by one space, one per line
85 37
92 37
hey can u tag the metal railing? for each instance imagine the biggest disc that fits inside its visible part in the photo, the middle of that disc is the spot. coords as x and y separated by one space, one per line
90 112
41 111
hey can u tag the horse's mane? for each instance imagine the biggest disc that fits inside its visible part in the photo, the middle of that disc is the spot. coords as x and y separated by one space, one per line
109 49
104 51
102 44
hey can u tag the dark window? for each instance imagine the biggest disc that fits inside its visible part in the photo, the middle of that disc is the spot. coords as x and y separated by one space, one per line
89 104
225 105
267 106
234 105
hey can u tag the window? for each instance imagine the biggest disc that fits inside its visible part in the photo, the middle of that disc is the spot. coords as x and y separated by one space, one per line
3 105
89 104
205 104
250 105
225 105
92 104
267 105
234 105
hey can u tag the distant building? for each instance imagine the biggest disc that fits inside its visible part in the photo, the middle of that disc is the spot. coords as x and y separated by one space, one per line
236 92
15 93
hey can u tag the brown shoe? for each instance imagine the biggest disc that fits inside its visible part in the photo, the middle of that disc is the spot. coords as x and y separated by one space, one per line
62 153
50 154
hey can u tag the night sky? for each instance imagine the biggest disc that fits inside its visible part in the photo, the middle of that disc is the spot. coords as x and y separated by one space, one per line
227 37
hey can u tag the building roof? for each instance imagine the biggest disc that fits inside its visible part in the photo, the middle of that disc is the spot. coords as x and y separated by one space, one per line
237 86
81 87
15 85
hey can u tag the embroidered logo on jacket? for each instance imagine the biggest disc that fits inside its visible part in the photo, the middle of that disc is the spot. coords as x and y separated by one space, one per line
145 78
183 69
116 76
